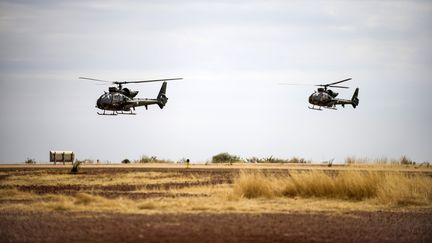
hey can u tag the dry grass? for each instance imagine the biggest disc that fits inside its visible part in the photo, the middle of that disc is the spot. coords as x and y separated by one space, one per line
15 194
384 188
252 192
217 203
77 202
135 178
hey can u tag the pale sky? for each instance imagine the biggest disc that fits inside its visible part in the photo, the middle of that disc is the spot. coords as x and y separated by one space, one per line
232 55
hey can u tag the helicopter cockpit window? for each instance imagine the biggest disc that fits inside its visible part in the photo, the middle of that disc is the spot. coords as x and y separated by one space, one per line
117 97
106 98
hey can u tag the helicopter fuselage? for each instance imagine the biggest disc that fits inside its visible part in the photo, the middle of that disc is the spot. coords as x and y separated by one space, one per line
327 99
119 100
113 102
321 99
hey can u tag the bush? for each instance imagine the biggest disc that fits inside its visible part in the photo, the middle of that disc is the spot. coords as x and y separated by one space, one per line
86 161
125 161
404 160
254 160
254 185
75 167
30 161
225 157
385 188
149 159
271 159
297 160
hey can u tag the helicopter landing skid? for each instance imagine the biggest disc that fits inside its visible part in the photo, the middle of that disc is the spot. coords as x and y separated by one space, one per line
105 114
313 108
115 113
123 113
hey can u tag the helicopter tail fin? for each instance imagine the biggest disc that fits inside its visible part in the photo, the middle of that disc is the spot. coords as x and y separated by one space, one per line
161 98
355 100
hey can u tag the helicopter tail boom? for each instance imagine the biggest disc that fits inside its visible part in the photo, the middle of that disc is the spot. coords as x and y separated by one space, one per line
354 101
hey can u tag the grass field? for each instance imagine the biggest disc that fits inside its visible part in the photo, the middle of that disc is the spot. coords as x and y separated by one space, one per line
215 203
167 188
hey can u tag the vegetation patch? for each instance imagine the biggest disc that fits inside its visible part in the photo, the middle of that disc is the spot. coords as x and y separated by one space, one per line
224 158
384 188
256 190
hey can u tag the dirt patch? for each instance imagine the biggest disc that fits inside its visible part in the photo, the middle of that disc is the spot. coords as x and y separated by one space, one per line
290 227
122 188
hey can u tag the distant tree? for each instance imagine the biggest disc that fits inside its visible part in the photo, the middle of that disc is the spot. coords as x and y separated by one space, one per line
30 161
225 157
152 159
126 161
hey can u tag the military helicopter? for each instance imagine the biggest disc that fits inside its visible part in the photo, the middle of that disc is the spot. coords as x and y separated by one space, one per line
326 98
121 101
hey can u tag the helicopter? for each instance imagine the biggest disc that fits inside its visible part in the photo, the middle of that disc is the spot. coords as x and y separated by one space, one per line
326 98
121 101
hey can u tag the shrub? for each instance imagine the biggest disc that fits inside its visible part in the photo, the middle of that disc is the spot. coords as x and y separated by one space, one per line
271 159
254 185
183 161
225 157
404 160
86 161
75 167
297 160
356 161
125 161
385 188
30 161
253 160
147 159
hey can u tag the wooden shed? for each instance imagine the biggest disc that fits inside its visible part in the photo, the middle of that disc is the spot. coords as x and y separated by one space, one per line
62 156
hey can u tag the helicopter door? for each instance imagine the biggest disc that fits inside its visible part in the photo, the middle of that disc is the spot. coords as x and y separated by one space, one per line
117 98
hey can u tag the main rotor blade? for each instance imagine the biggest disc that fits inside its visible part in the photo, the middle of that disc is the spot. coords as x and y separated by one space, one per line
336 86
339 81
294 84
146 81
332 86
99 80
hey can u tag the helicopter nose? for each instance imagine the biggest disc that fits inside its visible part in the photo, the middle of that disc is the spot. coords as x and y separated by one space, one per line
98 103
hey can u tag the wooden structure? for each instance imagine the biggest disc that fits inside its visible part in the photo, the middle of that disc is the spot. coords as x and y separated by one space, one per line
62 156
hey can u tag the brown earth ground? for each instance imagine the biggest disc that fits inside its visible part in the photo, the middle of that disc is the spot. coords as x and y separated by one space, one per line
22 223
206 227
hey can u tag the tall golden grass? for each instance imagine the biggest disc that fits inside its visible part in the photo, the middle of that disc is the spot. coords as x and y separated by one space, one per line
385 188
